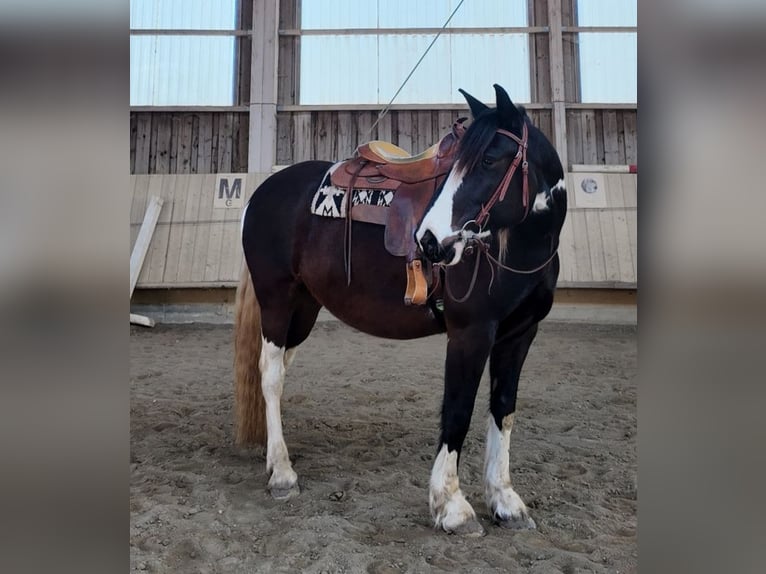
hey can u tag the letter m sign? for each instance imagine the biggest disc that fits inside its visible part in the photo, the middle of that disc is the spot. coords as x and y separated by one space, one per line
229 190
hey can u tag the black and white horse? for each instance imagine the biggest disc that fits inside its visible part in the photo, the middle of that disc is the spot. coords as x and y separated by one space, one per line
493 229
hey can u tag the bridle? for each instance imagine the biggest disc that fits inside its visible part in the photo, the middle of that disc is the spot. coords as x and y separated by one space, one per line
499 194
502 188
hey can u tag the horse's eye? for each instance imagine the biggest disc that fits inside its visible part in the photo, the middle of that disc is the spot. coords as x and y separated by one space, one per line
488 161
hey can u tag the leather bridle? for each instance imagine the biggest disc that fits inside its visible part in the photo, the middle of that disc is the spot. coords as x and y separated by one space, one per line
502 188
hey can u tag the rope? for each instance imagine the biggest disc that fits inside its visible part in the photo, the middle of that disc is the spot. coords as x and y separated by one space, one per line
388 105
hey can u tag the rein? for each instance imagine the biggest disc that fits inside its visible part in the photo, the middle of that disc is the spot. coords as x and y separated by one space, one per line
484 248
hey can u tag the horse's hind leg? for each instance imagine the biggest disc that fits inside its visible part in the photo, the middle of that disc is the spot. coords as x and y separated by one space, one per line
285 326
508 354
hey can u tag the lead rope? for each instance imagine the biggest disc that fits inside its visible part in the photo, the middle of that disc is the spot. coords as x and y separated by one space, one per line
485 251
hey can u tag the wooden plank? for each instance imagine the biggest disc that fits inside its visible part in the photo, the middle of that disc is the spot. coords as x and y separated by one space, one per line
425 136
139 196
205 144
614 196
404 128
590 151
225 129
609 245
620 127
595 245
583 270
624 244
231 241
631 143
574 137
582 167
175 142
164 134
284 139
141 320
176 229
611 144
141 246
133 131
202 230
385 127
194 149
445 119
347 134
365 133
143 143
212 255
302 149
154 267
629 189
184 145
599 136
567 254
188 232
325 136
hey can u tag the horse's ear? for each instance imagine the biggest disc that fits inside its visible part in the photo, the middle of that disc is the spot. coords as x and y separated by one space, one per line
509 113
476 106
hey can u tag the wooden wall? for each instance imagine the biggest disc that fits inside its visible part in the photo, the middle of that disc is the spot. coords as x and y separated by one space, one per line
198 245
188 142
334 135
602 137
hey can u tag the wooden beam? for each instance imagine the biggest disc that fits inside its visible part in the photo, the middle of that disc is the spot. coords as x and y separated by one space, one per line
187 32
558 97
141 246
392 31
379 107
262 149
190 109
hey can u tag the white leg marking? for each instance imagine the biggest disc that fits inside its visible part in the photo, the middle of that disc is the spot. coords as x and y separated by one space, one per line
438 220
272 365
502 501
449 508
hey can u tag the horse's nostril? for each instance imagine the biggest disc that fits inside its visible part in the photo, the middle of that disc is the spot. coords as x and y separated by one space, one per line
431 248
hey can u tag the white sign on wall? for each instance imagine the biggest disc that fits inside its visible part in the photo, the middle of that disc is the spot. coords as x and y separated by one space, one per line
590 189
230 189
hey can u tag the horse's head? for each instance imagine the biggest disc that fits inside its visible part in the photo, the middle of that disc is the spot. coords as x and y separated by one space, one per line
504 171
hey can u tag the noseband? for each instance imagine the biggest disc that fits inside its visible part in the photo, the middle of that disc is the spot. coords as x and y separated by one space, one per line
502 188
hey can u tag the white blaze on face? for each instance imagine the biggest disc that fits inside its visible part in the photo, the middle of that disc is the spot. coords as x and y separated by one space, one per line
438 220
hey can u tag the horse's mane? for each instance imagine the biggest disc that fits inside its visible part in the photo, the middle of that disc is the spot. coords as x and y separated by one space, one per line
478 137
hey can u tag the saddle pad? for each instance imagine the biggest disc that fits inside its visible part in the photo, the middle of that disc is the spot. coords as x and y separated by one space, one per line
330 201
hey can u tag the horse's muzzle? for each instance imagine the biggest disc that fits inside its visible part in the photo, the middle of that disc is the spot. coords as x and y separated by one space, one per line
434 251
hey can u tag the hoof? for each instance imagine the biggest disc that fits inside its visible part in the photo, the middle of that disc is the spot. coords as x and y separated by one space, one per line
469 529
521 522
279 492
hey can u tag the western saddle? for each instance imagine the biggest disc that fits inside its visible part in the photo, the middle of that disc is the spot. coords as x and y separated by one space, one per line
380 165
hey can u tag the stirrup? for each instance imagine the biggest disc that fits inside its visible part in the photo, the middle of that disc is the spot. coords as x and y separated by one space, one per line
417 287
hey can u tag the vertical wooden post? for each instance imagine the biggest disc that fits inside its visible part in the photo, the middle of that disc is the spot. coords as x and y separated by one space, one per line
262 147
558 98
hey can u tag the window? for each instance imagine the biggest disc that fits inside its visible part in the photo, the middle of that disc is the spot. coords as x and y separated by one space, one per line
182 69
608 60
345 59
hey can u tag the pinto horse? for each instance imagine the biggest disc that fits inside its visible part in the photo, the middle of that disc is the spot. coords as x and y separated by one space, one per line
491 229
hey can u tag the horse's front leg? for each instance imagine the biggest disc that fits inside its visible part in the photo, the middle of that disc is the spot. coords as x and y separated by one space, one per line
508 355
467 352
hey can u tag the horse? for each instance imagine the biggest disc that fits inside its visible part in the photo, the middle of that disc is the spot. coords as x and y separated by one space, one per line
491 230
